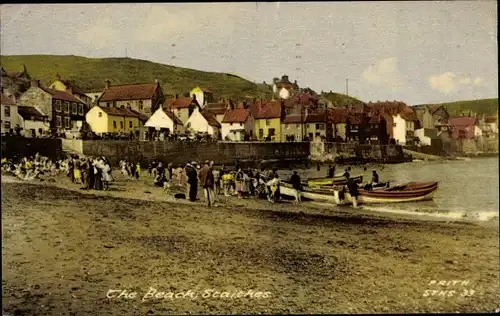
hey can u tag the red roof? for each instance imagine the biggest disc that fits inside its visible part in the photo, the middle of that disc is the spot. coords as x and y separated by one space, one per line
29 112
338 115
355 119
120 112
264 109
216 108
141 91
238 115
294 118
212 121
463 120
179 103
491 119
5 100
316 116
173 117
61 95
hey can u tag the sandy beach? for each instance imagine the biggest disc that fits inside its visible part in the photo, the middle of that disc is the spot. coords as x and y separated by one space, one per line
65 248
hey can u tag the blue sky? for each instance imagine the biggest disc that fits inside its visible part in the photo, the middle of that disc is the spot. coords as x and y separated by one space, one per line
417 52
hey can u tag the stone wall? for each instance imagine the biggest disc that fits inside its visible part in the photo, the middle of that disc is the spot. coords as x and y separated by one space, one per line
328 151
24 147
182 152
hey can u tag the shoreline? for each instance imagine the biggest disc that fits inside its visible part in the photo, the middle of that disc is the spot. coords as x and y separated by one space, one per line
64 248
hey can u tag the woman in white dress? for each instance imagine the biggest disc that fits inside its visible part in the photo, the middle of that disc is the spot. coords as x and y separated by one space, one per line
106 174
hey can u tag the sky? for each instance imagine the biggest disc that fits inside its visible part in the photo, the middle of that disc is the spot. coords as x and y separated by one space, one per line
416 52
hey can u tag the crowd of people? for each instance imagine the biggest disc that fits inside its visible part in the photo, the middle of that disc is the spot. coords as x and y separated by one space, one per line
95 173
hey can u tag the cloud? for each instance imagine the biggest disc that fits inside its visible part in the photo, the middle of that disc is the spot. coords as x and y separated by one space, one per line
161 22
384 73
449 82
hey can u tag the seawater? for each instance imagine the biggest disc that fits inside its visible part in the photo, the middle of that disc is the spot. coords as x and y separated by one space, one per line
467 188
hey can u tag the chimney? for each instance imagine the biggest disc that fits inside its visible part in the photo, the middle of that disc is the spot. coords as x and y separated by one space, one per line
35 83
176 96
295 82
58 77
107 84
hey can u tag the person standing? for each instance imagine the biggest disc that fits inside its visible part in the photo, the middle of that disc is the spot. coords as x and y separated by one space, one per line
374 177
346 174
192 181
352 186
138 170
331 171
106 175
207 181
295 181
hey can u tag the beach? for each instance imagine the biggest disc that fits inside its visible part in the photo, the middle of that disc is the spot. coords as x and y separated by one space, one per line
135 251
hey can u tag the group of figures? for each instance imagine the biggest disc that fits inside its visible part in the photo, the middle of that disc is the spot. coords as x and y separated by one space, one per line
92 173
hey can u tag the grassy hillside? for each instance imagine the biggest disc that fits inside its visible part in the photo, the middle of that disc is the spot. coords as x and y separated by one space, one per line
478 107
90 74
339 99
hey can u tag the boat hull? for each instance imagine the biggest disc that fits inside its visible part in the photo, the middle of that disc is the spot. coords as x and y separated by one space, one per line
314 182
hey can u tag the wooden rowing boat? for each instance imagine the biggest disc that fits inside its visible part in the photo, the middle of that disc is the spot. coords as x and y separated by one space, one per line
409 192
337 180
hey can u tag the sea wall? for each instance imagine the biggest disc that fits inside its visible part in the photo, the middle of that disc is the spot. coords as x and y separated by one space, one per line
182 152
328 151
13 146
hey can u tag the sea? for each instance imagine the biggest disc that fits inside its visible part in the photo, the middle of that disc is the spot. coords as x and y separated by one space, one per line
468 189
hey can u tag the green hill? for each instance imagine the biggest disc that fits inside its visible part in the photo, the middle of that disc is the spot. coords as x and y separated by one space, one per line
339 99
90 74
487 107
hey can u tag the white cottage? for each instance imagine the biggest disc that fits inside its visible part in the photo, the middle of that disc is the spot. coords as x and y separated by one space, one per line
236 124
203 122
9 113
165 120
33 122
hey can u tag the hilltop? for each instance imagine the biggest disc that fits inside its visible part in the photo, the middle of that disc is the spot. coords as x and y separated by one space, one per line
90 74
488 107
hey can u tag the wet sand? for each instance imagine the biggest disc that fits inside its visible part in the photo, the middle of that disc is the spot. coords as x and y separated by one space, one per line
64 248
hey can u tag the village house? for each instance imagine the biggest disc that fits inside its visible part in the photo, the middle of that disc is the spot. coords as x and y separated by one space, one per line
204 122
292 128
492 123
68 86
94 97
237 125
165 121
401 120
218 109
33 122
431 116
114 120
463 127
202 95
267 119
144 98
283 88
182 107
337 117
65 112
9 113
316 125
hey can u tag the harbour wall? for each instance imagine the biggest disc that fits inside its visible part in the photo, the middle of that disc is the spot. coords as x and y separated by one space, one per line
17 147
227 153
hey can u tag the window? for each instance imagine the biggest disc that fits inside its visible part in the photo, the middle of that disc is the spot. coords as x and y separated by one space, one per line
66 122
241 124
268 122
128 106
320 126
74 108
58 106
66 107
80 109
40 131
7 111
297 125
6 125
141 106
393 124
58 121
108 104
230 124
121 124
100 114
114 124
287 126
130 124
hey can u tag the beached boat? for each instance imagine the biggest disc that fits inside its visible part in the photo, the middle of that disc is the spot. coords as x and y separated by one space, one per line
409 192
337 180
